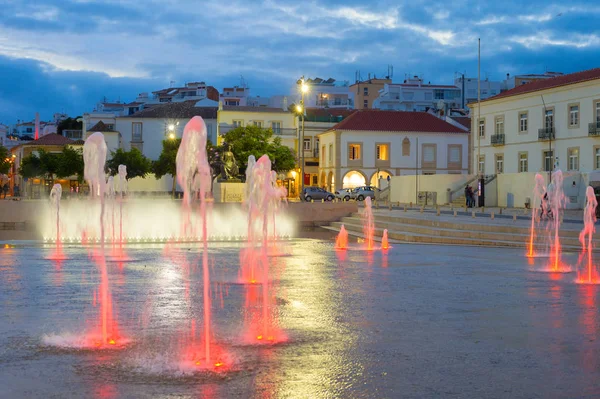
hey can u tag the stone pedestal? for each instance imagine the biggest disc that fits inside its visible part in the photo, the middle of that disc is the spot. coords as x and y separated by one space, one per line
229 191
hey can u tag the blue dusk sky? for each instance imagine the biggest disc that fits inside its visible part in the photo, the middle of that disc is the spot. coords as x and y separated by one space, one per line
65 55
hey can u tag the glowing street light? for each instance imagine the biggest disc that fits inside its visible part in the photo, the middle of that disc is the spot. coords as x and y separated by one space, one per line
171 127
299 108
172 136
304 88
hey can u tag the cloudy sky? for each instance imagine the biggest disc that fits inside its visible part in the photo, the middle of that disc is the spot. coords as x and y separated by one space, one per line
65 55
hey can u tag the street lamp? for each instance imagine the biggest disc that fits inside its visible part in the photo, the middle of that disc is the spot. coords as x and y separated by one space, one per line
304 88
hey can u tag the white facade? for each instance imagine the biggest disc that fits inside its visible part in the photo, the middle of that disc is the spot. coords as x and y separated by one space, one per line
407 153
147 134
325 94
3 133
488 89
414 95
518 137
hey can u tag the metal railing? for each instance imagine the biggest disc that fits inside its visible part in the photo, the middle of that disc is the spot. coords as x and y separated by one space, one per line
334 103
546 133
497 139
225 127
73 134
594 129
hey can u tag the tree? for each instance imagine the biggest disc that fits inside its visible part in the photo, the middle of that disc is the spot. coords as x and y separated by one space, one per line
137 164
166 163
31 166
69 124
253 140
4 160
70 163
49 163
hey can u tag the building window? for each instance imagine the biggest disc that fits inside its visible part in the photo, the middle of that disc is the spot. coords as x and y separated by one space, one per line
522 122
454 156
482 128
549 118
136 131
500 125
276 127
598 112
523 164
354 151
499 163
429 156
366 104
366 91
406 147
481 166
258 123
548 161
330 154
307 144
574 115
597 158
573 158
382 152
110 126
238 123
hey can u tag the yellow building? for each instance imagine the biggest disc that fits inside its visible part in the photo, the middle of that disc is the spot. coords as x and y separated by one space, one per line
367 91
283 123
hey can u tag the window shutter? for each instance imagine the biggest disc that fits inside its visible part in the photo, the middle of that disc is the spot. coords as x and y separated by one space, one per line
428 154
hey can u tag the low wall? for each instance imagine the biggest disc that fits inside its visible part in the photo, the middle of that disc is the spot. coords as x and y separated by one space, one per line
403 189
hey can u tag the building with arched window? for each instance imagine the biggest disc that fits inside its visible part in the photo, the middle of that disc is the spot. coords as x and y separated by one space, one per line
371 145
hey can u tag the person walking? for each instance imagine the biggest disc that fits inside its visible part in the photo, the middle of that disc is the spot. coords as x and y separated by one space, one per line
5 189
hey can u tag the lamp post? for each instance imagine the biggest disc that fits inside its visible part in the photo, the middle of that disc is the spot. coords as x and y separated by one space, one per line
301 109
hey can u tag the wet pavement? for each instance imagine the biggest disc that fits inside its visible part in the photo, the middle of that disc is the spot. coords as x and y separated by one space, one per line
415 322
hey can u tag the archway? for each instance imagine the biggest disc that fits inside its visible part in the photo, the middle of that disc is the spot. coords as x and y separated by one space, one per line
383 175
354 178
323 181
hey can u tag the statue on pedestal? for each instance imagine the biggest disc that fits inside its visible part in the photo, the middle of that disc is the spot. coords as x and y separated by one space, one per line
229 167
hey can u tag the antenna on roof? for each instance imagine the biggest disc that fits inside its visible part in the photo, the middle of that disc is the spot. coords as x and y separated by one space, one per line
243 82
171 83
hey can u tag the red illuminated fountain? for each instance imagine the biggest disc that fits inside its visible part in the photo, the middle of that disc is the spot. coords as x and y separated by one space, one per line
194 175
556 199
384 240
538 195
341 242
368 225
94 156
262 198
589 275
55 196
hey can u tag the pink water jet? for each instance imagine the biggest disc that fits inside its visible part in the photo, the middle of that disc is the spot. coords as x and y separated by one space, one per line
384 240
94 157
263 199
590 275
368 224
556 202
55 196
341 242
538 195
194 176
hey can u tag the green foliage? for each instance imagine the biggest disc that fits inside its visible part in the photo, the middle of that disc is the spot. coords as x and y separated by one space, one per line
69 124
166 162
253 140
49 163
70 163
31 166
137 164
4 160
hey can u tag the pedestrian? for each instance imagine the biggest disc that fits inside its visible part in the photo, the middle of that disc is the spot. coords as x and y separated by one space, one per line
467 199
5 189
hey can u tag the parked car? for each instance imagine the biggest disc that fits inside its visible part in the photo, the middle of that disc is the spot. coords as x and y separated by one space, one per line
360 193
316 193
344 194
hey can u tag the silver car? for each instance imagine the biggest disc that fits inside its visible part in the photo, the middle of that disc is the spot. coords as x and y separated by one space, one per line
316 193
343 194
360 193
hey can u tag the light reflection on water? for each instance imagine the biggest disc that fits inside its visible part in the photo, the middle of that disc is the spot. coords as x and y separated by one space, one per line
415 321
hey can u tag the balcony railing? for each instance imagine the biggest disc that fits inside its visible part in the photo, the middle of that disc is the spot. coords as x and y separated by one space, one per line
73 134
497 139
334 102
546 133
287 132
594 129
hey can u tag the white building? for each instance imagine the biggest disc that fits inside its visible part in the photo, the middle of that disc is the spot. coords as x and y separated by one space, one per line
326 94
369 144
415 95
468 88
540 126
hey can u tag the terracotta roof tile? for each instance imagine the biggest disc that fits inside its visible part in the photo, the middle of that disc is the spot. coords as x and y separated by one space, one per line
179 110
564 80
51 139
463 120
100 127
396 121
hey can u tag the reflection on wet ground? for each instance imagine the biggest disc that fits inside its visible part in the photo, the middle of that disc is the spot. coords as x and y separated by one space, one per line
415 321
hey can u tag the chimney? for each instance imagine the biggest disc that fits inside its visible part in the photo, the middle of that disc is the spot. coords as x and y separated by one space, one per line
284 103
